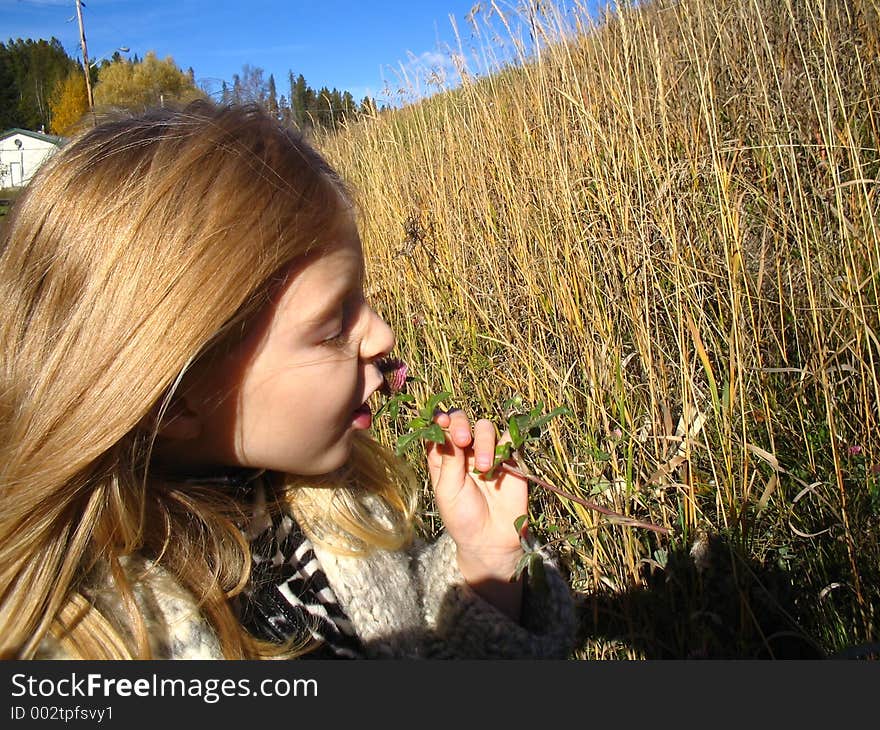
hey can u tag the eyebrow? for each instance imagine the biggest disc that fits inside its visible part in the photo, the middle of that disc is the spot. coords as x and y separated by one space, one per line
339 294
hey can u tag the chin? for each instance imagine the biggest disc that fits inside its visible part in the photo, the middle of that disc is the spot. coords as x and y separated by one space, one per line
330 461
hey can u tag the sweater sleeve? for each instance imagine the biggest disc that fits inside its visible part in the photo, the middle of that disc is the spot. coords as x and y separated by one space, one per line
467 626
417 605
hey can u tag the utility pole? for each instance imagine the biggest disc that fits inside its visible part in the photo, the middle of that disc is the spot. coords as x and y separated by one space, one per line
85 55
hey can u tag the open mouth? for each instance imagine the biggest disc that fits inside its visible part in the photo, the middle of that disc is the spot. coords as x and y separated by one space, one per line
394 372
362 417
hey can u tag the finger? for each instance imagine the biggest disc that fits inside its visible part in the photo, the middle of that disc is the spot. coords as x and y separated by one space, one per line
441 418
459 428
452 470
434 457
484 444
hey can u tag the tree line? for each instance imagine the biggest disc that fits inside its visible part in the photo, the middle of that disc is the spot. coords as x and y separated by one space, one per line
30 71
302 106
43 89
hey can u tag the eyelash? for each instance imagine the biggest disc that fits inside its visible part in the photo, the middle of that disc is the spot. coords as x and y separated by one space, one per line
339 340
343 337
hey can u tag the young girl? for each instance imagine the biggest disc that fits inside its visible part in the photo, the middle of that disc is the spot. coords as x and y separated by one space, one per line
186 472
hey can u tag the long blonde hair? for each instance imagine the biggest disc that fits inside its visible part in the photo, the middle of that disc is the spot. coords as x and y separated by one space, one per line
134 251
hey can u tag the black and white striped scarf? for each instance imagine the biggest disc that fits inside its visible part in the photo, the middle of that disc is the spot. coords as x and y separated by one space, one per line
289 595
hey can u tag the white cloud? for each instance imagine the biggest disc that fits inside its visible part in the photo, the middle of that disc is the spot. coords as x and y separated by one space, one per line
422 75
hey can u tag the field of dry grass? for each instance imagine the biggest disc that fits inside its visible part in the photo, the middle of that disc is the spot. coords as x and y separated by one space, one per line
667 221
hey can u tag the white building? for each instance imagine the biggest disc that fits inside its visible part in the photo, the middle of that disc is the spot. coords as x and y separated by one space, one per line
21 154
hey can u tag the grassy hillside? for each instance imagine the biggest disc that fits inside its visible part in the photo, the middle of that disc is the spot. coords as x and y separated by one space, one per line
667 222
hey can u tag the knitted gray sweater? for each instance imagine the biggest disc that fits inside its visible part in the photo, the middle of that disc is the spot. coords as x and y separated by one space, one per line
405 605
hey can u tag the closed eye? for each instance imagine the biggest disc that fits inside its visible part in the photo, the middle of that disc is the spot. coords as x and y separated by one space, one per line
340 339
349 318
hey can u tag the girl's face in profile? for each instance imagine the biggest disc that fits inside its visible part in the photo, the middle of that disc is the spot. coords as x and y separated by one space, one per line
290 396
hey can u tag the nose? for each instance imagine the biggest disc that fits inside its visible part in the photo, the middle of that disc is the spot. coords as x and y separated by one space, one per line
379 340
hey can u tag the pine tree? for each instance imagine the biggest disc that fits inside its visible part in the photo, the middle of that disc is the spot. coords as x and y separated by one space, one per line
348 105
299 101
32 71
308 108
323 113
284 111
336 110
291 83
7 91
272 98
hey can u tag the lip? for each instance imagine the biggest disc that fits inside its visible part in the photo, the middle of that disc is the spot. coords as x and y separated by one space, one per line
363 409
377 388
362 418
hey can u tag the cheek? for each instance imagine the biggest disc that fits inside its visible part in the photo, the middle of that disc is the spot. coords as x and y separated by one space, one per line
314 390
312 394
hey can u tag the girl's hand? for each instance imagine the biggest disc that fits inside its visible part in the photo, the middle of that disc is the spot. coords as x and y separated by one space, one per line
479 513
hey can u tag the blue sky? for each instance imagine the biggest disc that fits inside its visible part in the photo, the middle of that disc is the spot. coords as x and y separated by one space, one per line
359 46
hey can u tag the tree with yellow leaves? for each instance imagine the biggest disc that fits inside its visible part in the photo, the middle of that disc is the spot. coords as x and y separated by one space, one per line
69 103
147 83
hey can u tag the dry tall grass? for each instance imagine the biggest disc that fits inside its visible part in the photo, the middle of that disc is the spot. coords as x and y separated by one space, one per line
669 223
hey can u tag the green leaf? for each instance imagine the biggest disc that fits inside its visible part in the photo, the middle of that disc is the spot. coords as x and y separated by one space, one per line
434 433
427 413
511 404
406 441
503 451
536 571
416 423
661 556
543 420
392 405
521 565
522 421
519 522
513 428
536 411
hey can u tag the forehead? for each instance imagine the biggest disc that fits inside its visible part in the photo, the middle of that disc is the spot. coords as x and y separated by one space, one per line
323 275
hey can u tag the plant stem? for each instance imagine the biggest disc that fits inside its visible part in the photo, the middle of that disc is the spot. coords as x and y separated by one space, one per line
616 516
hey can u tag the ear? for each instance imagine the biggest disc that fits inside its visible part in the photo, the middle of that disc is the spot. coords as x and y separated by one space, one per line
179 422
